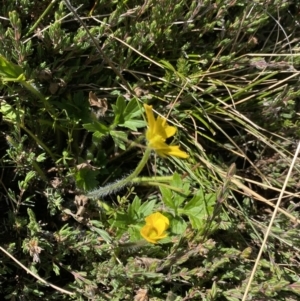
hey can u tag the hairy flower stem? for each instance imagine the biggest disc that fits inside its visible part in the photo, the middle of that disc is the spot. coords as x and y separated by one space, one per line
157 181
114 187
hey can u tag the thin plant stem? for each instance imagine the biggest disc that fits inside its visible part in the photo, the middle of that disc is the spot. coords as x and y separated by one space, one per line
152 179
35 25
95 42
38 94
270 224
35 275
151 183
38 141
39 171
114 187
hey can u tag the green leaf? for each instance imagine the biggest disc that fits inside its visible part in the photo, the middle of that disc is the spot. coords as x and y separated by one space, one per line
199 208
134 124
86 178
33 225
99 129
9 71
119 109
172 198
55 269
101 232
125 114
41 157
122 220
134 207
196 221
76 107
178 225
195 202
10 113
147 208
119 138
168 65
177 182
167 197
132 109
30 175
134 233
23 185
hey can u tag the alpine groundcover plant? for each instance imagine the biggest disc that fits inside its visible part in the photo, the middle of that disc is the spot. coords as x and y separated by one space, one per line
157 133
188 190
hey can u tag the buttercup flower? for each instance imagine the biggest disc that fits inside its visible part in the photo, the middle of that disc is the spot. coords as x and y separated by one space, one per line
156 225
157 133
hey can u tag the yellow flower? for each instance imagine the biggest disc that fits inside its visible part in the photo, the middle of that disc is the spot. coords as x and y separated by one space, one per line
156 225
157 133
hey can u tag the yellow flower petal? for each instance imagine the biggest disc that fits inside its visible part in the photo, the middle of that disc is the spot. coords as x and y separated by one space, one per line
163 129
152 218
163 149
146 233
156 225
161 227
174 150
150 116
157 133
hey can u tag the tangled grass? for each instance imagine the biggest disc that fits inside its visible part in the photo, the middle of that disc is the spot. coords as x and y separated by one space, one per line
74 78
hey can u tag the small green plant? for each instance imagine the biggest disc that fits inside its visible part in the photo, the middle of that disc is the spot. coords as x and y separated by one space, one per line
157 133
184 205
